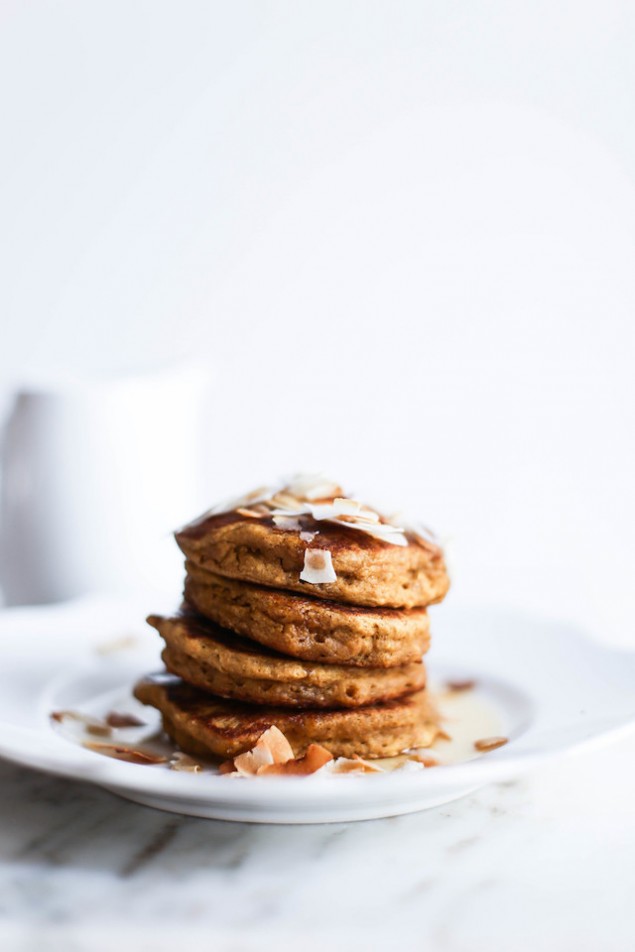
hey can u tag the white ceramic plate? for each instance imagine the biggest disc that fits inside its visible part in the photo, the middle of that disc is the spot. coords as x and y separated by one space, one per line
554 692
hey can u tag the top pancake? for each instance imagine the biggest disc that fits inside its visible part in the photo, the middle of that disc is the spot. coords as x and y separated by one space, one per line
369 571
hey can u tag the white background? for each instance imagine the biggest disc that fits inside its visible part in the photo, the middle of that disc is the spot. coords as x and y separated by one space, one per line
398 236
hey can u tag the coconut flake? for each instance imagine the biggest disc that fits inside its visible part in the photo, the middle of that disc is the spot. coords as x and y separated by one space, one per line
258 512
256 496
82 723
129 755
410 766
123 720
490 743
413 525
314 759
346 507
273 755
421 755
363 518
289 523
184 763
272 747
318 567
285 502
387 534
355 765
339 507
313 486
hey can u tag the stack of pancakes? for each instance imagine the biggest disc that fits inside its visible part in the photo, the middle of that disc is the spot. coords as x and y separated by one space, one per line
304 610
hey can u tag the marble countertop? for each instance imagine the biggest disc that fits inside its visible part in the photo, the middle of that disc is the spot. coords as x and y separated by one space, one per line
545 862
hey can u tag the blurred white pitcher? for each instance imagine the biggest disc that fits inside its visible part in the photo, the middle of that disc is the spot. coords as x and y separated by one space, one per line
94 478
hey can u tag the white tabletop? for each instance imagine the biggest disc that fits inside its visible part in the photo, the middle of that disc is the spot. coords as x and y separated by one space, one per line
545 862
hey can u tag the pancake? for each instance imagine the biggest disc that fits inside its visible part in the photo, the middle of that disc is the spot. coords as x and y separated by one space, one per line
206 726
216 660
368 570
309 628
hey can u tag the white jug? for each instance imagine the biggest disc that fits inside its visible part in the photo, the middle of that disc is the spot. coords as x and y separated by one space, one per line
95 476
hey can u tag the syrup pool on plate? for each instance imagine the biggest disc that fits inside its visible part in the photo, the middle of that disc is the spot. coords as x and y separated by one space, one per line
466 716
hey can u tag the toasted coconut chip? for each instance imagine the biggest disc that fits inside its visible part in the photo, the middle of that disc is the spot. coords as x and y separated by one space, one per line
318 567
466 685
424 760
114 719
362 520
414 526
285 500
313 486
251 513
129 754
272 747
346 507
98 730
314 758
322 512
289 523
354 765
90 724
308 536
248 501
490 743
255 496
185 763
381 530
410 766
351 510
424 533
338 508
443 735
227 767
